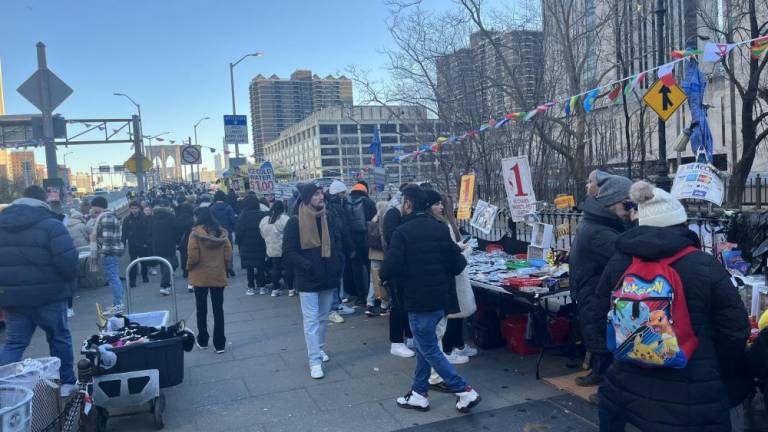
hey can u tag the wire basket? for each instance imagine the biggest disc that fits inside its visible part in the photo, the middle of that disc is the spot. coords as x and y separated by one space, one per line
37 376
15 409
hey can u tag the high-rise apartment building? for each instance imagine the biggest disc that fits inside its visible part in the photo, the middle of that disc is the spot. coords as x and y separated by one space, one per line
5 169
279 103
22 165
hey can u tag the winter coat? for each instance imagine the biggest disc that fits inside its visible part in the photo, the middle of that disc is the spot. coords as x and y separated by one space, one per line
76 229
695 397
164 232
137 231
312 272
423 261
592 248
184 220
39 259
253 249
337 207
224 213
208 258
357 198
392 220
273 235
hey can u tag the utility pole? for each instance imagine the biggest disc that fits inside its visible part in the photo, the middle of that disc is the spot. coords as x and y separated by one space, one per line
662 179
47 112
138 153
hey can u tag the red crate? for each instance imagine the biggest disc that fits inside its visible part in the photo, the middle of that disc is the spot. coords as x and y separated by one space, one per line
513 331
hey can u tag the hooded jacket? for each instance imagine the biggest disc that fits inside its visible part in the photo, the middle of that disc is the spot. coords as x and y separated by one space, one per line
592 248
225 214
208 258
273 235
695 397
354 201
39 259
253 250
76 228
164 232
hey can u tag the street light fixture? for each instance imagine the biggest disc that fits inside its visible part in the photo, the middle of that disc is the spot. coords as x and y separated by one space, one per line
197 124
232 86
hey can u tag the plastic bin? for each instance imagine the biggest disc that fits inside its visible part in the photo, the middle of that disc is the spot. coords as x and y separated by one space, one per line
36 375
15 409
155 319
513 330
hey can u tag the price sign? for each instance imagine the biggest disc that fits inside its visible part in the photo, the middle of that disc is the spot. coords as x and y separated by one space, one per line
262 179
519 186
466 196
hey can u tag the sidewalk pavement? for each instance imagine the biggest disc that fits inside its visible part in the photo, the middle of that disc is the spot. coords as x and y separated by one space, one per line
262 383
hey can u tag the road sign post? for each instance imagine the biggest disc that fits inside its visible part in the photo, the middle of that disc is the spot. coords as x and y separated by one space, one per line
664 100
236 131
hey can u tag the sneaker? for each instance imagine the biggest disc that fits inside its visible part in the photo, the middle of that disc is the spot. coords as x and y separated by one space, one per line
588 380
165 291
413 400
335 317
202 347
369 311
114 310
262 291
400 350
467 400
221 351
275 293
70 312
345 310
316 371
409 343
384 311
466 351
190 288
291 293
456 359
325 357
153 272
345 300
66 390
250 291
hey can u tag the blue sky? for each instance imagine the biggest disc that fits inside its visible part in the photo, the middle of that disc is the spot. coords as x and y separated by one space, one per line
172 56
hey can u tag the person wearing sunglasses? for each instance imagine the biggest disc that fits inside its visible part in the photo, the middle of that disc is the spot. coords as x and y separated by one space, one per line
606 215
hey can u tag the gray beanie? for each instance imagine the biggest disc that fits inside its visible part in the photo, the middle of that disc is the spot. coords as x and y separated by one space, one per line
602 176
614 189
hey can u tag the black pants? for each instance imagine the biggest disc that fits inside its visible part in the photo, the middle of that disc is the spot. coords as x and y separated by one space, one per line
257 275
361 265
217 303
454 335
183 252
134 270
398 326
277 271
165 272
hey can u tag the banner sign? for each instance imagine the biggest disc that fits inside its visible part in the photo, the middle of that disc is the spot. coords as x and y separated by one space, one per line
519 187
698 181
485 216
466 197
283 191
262 179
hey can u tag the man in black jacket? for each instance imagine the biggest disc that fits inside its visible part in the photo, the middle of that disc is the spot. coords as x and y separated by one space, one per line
361 209
693 398
424 261
312 247
605 217
136 232
164 240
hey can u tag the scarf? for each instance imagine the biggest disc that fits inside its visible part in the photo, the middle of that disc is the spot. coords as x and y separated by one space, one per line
94 261
308 234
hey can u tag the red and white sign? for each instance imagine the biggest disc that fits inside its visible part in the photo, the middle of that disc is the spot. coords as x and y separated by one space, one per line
519 186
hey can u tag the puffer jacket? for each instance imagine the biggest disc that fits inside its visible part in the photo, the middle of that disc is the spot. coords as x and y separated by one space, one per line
208 258
76 228
253 249
39 259
312 272
164 235
137 231
592 248
695 397
273 235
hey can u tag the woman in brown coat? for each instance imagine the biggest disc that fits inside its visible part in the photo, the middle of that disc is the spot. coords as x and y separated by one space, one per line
209 256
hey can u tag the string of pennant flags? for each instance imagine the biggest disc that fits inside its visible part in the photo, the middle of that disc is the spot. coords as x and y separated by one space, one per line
712 52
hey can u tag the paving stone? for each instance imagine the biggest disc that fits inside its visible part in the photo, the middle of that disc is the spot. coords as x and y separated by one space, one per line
200 395
246 413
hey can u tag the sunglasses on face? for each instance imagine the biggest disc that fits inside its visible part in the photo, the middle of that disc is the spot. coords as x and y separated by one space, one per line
630 205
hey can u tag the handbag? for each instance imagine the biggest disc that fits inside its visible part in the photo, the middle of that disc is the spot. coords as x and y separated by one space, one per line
466 297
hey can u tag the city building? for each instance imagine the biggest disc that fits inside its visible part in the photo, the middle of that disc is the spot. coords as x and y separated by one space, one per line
218 165
207 175
279 103
5 169
40 173
82 181
335 142
22 165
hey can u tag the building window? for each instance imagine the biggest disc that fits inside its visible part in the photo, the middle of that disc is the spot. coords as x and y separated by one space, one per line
349 129
388 139
350 141
388 128
329 141
330 162
367 128
404 128
326 129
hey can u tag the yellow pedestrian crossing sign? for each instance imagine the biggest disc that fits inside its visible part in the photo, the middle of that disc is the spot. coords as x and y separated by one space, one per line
664 100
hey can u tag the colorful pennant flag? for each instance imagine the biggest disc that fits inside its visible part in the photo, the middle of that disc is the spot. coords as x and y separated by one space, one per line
615 92
443 139
570 107
492 123
589 99
634 82
667 74
483 127
501 122
531 114
758 47
679 54
714 52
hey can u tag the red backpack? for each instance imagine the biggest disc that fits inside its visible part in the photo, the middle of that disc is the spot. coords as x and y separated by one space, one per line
648 323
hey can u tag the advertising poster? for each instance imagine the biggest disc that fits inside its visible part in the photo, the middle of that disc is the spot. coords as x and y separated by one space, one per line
485 216
698 181
262 179
519 187
466 197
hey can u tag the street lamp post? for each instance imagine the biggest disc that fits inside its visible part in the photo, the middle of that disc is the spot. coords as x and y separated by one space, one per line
195 128
138 151
232 88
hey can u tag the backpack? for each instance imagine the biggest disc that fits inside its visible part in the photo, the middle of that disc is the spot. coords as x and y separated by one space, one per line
374 236
358 222
648 323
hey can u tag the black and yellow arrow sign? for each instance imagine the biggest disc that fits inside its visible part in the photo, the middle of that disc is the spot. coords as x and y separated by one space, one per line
664 100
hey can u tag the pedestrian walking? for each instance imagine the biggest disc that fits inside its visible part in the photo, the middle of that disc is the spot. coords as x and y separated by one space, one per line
667 375
39 265
164 239
253 249
376 302
107 248
336 204
272 228
137 233
225 214
184 221
208 254
79 234
424 261
312 247
361 209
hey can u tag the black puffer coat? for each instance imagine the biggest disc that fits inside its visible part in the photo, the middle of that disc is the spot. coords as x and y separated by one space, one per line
137 231
164 235
253 249
312 272
423 261
693 398
593 247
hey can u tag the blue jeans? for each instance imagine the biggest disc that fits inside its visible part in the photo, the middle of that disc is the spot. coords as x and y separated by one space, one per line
429 355
52 318
111 264
315 307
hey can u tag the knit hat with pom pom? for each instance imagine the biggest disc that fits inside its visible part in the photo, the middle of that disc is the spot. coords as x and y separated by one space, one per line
656 207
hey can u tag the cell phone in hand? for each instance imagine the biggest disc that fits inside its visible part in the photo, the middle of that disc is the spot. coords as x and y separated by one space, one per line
465 238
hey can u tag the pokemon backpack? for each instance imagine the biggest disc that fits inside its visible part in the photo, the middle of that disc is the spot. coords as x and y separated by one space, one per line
648 323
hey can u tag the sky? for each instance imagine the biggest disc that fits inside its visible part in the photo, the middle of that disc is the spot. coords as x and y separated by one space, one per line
172 57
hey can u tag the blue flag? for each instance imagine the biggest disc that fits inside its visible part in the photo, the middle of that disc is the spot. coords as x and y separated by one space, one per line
589 100
376 148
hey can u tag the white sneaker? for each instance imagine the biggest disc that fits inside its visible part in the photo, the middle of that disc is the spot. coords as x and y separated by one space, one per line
456 359
114 310
66 390
345 310
413 400
70 312
153 272
409 343
325 357
291 293
400 350
467 400
316 371
275 293
165 291
262 291
335 317
250 291
467 351
190 288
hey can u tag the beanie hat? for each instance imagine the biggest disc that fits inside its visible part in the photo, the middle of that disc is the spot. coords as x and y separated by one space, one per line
219 196
359 188
614 189
656 207
601 176
337 187
306 190
100 202
431 198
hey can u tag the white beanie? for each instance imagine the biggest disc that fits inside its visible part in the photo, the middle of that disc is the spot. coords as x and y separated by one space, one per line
337 187
656 207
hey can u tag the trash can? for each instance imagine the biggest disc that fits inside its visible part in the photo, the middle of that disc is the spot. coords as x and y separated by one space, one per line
37 376
15 409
